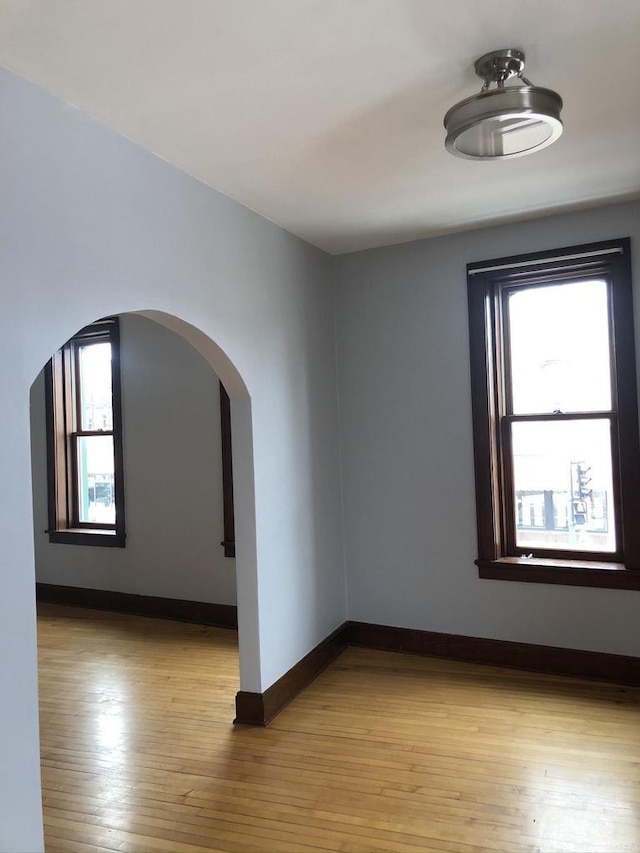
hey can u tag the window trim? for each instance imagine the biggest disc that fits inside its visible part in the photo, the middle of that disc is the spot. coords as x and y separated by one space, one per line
60 401
229 541
486 280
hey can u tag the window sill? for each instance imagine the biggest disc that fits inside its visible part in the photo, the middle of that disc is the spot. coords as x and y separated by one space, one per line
566 572
99 538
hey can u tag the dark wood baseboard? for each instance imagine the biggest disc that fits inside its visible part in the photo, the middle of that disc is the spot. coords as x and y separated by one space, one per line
620 669
203 613
258 709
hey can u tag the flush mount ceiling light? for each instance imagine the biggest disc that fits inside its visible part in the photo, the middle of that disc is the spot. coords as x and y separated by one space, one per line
505 122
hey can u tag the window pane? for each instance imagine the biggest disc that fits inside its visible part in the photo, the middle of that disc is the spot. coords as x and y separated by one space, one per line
96 410
559 343
563 490
96 496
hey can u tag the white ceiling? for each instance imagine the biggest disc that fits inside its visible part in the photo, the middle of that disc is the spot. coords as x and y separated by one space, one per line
325 116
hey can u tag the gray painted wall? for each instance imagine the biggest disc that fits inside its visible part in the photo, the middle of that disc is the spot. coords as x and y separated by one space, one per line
405 411
92 225
173 478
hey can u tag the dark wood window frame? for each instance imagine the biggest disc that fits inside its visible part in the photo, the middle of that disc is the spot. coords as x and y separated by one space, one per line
496 552
229 541
62 417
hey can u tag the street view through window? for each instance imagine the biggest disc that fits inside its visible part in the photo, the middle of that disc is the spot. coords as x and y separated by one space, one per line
94 451
559 401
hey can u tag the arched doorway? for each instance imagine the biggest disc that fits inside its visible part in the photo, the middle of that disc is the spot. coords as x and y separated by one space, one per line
245 572
85 677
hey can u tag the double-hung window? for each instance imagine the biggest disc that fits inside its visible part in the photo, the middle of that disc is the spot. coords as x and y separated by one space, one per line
555 417
84 429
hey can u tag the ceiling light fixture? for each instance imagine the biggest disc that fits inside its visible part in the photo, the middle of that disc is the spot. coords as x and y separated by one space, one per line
505 122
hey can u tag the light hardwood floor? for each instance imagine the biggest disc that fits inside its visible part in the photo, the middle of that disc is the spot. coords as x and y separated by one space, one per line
384 752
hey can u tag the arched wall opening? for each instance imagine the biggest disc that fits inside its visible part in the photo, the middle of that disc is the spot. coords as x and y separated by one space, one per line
245 568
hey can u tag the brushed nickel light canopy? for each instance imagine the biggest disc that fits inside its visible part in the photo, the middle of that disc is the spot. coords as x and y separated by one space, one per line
506 121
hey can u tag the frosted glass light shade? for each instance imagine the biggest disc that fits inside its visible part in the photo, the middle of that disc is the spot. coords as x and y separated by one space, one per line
503 123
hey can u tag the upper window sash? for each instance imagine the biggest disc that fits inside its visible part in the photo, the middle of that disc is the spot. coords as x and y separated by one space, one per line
508 331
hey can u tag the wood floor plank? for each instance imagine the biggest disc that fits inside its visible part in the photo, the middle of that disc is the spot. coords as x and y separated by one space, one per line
384 752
